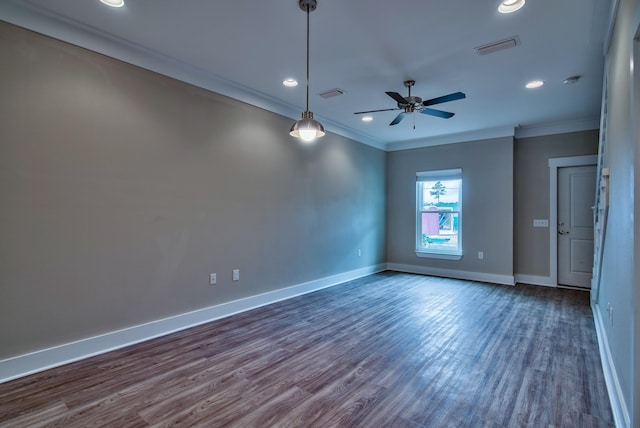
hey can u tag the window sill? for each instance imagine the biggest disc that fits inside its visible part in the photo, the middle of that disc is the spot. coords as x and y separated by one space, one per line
441 256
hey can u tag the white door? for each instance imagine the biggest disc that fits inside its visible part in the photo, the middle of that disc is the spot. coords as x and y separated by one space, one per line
576 196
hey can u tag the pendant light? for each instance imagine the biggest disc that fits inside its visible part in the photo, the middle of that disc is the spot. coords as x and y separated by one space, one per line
307 128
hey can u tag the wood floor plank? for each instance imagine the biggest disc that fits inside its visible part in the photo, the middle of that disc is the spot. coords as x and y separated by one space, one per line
391 349
40 416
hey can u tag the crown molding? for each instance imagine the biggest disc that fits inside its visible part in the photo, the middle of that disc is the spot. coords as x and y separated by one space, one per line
462 137
563 127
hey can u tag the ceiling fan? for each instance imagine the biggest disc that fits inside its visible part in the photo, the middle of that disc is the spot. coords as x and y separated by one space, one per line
412 104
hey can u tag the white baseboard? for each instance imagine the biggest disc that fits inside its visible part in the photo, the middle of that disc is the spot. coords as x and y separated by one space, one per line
616 398
44 359
545 281
451 273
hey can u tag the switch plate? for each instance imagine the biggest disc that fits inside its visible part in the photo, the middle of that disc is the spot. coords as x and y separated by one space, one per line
540 222
480 255
359 252
236 274
213 279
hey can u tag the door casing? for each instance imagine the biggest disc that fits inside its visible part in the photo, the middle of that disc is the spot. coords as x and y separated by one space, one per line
554 165
581 234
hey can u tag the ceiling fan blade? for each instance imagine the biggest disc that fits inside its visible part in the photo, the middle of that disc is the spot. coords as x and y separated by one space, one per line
396 96
437 113
398 119
375 111
444 99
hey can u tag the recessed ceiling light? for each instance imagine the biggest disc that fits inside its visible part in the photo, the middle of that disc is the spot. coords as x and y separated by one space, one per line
290 82
508 6
534 84
367 118
113 3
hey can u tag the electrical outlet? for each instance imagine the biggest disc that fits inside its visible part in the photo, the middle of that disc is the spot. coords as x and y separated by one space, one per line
213 279
480 255
236 274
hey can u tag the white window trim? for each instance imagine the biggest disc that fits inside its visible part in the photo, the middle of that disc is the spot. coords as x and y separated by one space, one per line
439 254
444 174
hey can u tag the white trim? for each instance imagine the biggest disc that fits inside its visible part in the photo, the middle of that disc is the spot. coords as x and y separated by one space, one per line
441 256
527 131
452 273
462 137
439 174
423 177
635 111
554 165
34 362
544 281
573 161
537 130
613 12
616 397
601 210
553 128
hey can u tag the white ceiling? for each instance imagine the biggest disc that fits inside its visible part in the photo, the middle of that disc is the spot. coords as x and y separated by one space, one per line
245 48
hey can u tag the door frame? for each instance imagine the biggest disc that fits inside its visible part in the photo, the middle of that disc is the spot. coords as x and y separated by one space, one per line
635 110
554 165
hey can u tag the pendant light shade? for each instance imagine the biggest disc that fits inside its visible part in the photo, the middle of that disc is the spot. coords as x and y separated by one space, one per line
307 128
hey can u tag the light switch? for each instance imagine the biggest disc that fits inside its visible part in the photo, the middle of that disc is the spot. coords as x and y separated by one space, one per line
537 222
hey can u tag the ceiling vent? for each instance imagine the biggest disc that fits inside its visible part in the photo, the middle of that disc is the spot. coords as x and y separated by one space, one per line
500 45
332 93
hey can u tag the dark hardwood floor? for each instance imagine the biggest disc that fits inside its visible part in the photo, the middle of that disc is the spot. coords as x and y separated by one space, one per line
389 350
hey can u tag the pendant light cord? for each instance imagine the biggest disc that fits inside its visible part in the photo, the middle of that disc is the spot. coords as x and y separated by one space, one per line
308 7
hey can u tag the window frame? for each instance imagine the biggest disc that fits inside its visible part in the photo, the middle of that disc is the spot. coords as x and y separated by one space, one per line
437 175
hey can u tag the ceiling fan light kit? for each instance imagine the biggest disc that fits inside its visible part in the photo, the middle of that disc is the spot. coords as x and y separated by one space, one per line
307 128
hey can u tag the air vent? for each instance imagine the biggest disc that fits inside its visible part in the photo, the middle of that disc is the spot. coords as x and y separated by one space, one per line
332 93
490 48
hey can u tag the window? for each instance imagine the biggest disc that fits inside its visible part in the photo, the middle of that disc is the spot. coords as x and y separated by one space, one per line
439 214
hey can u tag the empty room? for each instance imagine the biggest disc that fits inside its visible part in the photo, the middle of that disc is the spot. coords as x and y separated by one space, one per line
310 213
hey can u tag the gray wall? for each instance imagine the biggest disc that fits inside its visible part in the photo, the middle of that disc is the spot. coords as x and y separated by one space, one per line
531 255
121 190
619 285
487 204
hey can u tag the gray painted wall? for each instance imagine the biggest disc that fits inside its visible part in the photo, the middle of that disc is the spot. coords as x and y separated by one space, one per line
531 256
619 286
121 190
487 204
